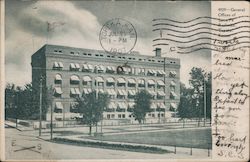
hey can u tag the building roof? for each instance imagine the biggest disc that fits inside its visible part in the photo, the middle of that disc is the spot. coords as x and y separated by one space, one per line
134 56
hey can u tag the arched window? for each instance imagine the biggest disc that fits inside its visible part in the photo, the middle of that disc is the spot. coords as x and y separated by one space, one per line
74 79
141 83
99 81
131 82
86 81
58 79
172 86
121 82
160 84
110 82
151 83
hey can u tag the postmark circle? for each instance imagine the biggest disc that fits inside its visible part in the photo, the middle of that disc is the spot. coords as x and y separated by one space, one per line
118 36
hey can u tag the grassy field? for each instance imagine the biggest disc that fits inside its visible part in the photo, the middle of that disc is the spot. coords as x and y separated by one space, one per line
195 138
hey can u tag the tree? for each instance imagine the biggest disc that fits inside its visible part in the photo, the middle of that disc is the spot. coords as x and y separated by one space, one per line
91 107
188 107
185 105
12 108
24 101
142 105
201 80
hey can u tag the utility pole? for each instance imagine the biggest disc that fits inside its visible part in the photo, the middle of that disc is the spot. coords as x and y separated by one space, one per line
51 122
51 113
40 106
96 99
205 106
17 107
164 77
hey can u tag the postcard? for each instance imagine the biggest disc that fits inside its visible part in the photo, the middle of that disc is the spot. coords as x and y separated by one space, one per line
124 80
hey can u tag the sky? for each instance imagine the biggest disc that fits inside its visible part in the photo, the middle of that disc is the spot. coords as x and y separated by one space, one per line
81 22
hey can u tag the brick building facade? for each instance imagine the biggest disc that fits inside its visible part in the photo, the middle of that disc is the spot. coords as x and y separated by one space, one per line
75 71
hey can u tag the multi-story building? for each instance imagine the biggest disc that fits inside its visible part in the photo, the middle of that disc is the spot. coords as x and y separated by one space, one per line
73 72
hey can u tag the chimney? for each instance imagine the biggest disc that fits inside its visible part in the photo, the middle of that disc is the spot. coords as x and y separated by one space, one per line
158 52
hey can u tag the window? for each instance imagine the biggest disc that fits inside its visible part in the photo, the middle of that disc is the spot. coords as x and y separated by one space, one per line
58 79
160 84
151 83
99 69
121 107
131 94
74 66
112 116
172 74
173 107
75 92
111 107
87 81
160 73
141 71
110 69
131 82
152 93
74 79
121 82
119 116
108 116
130 106
58 107
141 83
172 95
160 95
151 72
123 115
153 106
87 68
73 108
127 70
86 91
172 86
58 92
111 93
99 81
121 94
57 66
110 82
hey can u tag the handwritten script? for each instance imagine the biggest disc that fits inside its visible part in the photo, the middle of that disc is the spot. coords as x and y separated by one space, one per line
230 98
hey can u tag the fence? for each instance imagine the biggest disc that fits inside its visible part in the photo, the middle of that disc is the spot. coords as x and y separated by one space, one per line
178 123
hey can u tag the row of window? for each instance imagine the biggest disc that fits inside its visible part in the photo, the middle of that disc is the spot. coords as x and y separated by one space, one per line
120 116
110 81
119 94
117 107
113 70
113 56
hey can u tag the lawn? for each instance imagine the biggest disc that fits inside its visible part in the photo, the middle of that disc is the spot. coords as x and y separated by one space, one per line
195 138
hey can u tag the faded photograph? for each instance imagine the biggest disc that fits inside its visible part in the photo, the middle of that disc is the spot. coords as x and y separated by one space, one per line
107 80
